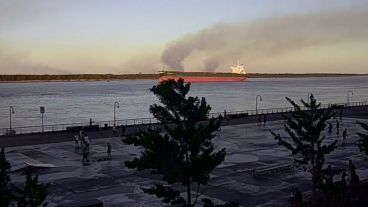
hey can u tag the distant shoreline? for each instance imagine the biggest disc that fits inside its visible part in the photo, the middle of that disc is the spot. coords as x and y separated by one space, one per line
118 77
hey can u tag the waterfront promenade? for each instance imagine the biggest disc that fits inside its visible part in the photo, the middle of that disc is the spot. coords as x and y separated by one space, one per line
359 111
249 147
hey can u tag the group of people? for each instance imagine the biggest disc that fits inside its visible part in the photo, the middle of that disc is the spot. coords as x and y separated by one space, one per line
296 198
82 146
344 133
347 185
353 178
262 118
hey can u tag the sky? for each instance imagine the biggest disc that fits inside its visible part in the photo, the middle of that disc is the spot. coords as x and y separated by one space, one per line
133 36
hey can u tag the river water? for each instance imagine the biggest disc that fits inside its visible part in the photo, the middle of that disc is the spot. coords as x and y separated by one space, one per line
67 102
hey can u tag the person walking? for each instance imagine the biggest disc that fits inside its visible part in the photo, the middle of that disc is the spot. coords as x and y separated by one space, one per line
337 127
264 120
344 135
108 151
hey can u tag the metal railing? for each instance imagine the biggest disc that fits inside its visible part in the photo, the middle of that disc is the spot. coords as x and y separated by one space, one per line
152 120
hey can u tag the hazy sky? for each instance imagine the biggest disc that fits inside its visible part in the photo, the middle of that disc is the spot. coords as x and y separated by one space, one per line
131 36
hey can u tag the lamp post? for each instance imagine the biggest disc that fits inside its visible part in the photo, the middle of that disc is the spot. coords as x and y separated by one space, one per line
260 100
116 104
11 111
42 111
348 96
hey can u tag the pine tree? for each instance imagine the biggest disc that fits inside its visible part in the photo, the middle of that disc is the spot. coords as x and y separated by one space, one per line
363 141
6 195
184 154
33 193
305 128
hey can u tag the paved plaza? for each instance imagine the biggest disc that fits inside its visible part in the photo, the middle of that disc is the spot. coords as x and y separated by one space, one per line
248 147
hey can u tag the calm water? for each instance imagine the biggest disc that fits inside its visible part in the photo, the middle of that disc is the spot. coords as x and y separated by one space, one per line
80 101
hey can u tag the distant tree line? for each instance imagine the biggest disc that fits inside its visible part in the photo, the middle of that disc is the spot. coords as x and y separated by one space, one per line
71 77
299 75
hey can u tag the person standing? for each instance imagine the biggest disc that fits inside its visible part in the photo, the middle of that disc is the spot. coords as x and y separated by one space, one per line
81 140
298 197
84 153
259 120
351 168
341 112
76 142
264 120
86 139
108 151
354 180
342 183
344 135
337 127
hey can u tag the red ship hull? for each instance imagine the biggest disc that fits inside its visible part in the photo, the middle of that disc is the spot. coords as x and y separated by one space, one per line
204 79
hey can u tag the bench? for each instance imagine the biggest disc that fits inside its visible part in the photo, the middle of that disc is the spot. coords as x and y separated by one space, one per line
270 170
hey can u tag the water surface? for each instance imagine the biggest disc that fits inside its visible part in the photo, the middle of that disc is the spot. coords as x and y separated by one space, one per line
67 102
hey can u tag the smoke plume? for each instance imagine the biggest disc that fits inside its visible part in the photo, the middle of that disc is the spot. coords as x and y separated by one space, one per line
266 37
16 62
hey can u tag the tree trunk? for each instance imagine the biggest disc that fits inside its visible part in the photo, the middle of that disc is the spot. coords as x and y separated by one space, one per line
189 196
314 185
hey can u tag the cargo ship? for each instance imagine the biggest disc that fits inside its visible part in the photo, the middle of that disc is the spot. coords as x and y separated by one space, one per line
237 74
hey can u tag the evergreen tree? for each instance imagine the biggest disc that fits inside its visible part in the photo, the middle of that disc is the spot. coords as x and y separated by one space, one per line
5 188
33 193
184 154
305 128
363 141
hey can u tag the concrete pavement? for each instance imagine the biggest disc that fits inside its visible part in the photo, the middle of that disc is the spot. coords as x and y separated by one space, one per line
248 147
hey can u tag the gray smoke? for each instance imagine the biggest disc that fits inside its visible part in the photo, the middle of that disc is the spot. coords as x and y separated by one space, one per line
15 62
211 64
267 37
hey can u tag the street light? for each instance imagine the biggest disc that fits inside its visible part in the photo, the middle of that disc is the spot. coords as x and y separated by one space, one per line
348 97
11 111
260 100
42 111
116 104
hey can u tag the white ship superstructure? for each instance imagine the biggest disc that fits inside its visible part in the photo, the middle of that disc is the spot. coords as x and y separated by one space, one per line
238 68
